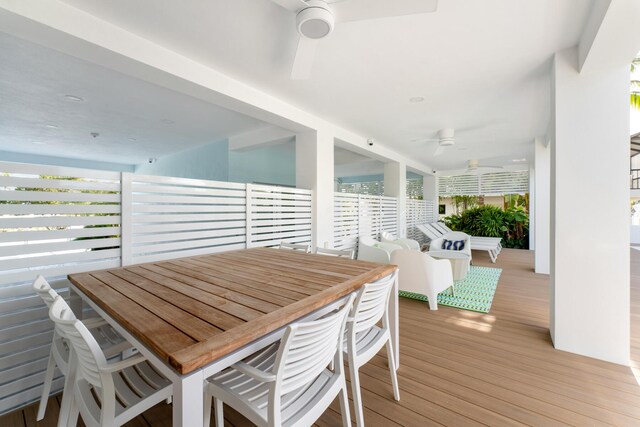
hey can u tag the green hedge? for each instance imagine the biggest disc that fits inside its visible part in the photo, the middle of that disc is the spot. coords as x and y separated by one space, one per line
511 224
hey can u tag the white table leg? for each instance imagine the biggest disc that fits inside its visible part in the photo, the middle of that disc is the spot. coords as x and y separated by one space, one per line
75 302
394 323
188 400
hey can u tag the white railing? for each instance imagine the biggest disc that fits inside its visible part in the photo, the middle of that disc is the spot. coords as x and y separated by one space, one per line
357 214
53 221
419 212
56 221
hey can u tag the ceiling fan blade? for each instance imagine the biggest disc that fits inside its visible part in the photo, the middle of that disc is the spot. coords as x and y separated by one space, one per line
439 150
359 10
292 5
303 62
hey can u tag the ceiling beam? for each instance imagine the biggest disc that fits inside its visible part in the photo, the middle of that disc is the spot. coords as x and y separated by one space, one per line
611 36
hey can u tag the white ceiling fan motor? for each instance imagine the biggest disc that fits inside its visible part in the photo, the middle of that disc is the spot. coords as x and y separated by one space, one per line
446 137
315 21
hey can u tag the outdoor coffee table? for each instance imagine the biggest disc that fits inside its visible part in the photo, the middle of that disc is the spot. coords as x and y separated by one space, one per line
459 262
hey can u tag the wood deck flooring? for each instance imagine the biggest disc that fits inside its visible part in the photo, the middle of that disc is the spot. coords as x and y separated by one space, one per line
462 368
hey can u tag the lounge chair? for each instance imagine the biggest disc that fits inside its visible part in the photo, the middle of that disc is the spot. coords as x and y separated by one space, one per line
493 245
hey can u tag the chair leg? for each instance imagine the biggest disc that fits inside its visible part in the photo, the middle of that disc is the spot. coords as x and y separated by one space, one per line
207 409
355 391
392 364
48 379
74 411
219 412
433 301
344 405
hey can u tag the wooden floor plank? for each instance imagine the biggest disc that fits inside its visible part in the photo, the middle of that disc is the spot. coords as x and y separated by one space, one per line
462 368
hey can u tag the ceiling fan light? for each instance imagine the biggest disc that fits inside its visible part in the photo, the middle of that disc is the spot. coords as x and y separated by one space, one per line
315 22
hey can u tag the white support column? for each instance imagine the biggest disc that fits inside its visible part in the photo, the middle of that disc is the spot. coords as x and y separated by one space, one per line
314 171
430 193
590 209
395 185
541 210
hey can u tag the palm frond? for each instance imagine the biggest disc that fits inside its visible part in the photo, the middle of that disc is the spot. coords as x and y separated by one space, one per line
635 63
635 100
635 84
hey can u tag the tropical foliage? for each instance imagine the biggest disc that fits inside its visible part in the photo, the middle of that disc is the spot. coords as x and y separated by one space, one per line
635 85
512 224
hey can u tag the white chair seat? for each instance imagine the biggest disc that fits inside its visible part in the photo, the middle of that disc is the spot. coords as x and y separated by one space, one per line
369 342
251 397
138 388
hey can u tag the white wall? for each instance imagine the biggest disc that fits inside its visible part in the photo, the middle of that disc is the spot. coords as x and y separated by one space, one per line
590 246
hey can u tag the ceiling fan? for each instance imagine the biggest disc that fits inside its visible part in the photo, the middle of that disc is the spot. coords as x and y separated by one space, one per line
474 166
315 20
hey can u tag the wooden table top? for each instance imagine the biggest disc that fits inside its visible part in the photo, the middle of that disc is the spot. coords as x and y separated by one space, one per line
192 311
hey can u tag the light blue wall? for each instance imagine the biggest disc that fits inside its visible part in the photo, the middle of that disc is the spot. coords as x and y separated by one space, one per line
271 165
8 156
373 178
208 161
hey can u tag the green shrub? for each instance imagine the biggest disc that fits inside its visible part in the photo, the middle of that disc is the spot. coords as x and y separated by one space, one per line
511 224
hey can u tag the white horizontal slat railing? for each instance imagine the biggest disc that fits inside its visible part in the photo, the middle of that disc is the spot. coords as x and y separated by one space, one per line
56 221
419 212
53 221
359 214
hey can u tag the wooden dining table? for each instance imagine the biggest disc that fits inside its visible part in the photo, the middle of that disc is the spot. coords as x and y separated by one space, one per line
193 317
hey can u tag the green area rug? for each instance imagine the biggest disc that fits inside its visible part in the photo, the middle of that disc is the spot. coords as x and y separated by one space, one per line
475 293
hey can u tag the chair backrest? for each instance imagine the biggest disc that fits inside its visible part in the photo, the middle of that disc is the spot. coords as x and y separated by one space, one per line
342 253
367 240
295 246
46 292
444 227
371 305
440 227
90 357
388 236
307 348
429 231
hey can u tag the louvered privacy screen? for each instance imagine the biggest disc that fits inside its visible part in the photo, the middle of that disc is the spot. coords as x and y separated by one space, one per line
55 221
494 183
419 212
356 214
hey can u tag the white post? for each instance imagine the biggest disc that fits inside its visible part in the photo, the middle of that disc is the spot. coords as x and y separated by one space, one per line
314 171
540 208
248 214
126 219
590 209
395 185
430 194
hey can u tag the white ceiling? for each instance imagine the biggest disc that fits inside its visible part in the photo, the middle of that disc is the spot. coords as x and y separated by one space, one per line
127 113
482 66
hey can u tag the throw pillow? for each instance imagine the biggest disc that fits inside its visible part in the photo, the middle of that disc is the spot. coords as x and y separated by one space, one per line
453 245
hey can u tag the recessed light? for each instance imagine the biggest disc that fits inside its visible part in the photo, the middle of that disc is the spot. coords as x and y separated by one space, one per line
73 98
415 99
167 121
523 160
51 126
39 142
131 139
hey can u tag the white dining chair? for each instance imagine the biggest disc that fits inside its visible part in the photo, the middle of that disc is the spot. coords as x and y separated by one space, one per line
342 253
295 246
109 340
104 394
287 383
364 338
